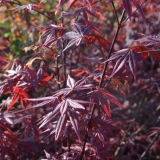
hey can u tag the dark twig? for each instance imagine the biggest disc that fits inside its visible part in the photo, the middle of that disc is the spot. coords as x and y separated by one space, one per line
63 56
86 135
84 144
149 146
115 12
57 68
111 48
102 77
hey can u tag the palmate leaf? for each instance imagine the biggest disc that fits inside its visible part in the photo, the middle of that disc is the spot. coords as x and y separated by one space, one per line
68 108
31 130
52 32
85 12
71 103
150 41
105 98
128 8
76 35
75 39
80 31
98 134
73 86
123 59
19 94
146 52
45 100
92 38
33 79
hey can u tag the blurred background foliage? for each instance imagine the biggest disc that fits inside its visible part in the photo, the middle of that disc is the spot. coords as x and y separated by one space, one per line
19 29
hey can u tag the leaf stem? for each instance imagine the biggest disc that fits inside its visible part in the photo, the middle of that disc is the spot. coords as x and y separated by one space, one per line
111 48
115 12
57 68
84 144
64 56
149 146
86 135
102 77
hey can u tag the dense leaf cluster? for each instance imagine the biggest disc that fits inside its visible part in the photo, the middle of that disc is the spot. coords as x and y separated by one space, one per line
87 85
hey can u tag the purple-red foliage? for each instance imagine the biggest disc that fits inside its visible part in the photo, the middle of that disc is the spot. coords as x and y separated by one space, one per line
89 88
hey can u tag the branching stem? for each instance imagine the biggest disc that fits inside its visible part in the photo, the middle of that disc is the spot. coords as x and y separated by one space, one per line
57 68
102 77
115 12
64 56
111 48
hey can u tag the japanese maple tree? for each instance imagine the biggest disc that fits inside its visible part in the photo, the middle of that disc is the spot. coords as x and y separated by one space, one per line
80 80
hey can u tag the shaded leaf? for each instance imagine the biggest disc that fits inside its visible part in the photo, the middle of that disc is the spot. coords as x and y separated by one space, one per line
123 59
105 98
70 82
60 126
127 7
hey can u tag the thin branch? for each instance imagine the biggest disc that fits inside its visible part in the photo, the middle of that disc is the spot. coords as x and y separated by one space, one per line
134 11
115 12
111 48
100 84
86 135
149 146
63 55
84 144
57 68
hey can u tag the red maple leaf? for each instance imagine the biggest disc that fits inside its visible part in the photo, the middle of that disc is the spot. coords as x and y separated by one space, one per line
19 94
91 39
